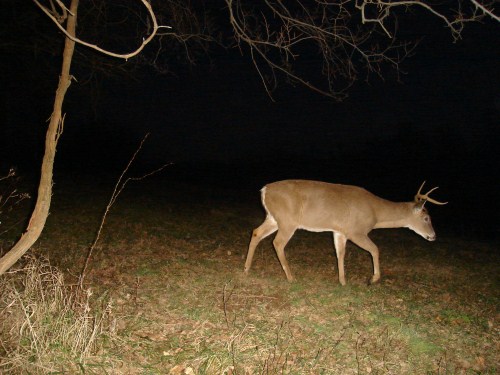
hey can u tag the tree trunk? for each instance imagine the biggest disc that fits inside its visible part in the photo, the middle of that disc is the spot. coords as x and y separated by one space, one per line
42 206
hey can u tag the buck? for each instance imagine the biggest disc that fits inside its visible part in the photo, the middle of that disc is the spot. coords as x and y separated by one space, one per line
350 212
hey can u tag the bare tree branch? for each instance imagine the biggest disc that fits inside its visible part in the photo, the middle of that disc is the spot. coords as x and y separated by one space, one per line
54 16
346 36
455 24
487 9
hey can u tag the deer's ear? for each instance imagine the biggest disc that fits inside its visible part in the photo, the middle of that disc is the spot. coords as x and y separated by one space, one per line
419 205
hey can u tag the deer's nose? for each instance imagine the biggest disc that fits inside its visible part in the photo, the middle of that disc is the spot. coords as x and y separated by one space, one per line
431 237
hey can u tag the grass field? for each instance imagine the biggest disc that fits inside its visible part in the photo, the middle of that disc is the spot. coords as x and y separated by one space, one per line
168 295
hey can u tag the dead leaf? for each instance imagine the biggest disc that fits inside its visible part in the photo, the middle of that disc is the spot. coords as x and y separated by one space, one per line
480 364
181 370
177 370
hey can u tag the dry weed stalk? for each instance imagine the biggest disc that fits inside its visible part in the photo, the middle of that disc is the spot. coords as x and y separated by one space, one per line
46 325
119 186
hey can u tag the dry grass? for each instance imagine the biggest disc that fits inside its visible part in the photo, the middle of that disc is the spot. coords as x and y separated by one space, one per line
47 326
172 261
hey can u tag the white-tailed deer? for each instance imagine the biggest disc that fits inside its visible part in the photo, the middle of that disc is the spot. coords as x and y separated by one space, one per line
350 212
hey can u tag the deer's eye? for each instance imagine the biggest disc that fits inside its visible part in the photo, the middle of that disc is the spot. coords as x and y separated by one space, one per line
427 219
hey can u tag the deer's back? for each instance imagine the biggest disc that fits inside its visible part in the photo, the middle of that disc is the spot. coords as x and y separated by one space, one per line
318 206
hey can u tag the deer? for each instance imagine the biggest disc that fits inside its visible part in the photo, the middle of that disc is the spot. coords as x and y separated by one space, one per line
350 212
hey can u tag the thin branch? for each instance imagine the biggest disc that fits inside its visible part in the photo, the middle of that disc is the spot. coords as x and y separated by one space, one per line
487 11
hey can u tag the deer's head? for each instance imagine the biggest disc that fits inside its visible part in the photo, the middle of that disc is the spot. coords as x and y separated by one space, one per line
421 223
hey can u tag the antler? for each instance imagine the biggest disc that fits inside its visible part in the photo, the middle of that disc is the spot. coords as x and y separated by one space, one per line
425 197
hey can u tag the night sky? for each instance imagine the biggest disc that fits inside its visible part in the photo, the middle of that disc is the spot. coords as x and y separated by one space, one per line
218 126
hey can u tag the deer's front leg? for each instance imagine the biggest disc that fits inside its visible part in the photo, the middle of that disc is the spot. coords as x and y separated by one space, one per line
340 241
365 243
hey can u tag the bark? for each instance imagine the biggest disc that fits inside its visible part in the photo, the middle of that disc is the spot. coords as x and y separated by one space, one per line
54 130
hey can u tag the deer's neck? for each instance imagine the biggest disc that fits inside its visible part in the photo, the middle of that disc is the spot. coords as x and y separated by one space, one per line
393 214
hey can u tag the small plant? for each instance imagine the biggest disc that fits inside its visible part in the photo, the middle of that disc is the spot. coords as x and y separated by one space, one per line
10 197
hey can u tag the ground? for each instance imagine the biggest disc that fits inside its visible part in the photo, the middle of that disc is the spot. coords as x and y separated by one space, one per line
169 271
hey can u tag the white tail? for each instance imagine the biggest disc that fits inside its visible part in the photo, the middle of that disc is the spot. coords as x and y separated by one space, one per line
350 212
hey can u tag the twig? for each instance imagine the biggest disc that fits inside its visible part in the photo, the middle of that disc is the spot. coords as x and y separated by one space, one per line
136 291
225 299
359 342
116 192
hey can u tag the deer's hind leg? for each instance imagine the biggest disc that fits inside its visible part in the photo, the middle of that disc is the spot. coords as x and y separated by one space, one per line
268 227
282 237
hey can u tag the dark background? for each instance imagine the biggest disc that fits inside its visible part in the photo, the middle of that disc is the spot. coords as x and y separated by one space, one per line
218 126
